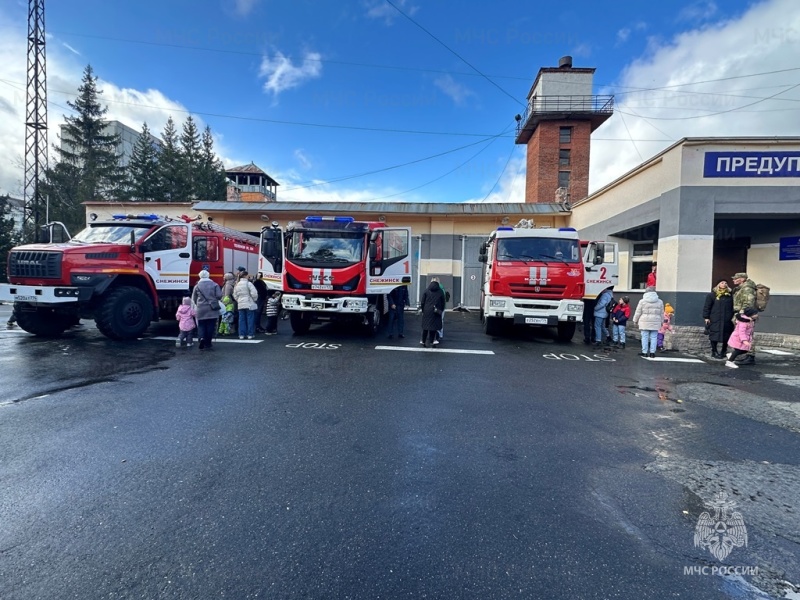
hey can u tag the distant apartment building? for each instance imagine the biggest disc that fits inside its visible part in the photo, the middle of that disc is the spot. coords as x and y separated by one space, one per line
127 140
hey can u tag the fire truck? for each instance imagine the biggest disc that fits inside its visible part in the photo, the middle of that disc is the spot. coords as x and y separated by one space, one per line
123 273
535 276
335 268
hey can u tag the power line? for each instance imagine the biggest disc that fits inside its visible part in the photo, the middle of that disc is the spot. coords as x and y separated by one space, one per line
456 54
721 112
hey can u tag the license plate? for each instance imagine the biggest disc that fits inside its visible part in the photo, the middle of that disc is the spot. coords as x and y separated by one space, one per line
321 287
536 320
316 306
20 298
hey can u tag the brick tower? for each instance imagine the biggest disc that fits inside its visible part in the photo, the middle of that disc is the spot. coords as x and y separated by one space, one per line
557 126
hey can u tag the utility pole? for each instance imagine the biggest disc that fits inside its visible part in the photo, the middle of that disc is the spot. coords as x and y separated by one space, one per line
36 209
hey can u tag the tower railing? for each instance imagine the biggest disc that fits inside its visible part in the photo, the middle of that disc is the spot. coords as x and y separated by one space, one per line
554 106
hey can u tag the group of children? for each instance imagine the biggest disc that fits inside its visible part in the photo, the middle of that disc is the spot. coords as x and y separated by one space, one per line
187 324
621 313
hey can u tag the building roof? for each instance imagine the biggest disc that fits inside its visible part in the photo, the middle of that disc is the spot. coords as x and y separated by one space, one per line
251 169
422 208
693 141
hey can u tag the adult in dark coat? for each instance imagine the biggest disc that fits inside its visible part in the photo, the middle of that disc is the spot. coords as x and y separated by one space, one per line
718 315
432 305
263 294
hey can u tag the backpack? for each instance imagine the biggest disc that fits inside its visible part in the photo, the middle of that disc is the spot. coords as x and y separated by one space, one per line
610 306
762 297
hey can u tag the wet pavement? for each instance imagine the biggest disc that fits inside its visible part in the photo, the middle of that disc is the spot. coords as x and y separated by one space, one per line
334 466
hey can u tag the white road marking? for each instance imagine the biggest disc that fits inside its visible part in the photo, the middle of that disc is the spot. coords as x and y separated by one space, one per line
665 359
778 352
439 350
220 340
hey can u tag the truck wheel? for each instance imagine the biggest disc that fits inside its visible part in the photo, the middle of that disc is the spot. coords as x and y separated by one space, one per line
301 322
565 331
491 325
44 322
373 320
125 313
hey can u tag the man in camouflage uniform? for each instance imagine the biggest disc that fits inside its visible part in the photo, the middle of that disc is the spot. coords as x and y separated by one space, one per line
744 296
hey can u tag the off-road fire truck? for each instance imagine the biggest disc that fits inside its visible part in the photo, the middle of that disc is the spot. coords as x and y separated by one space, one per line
123 273
332 268
535 276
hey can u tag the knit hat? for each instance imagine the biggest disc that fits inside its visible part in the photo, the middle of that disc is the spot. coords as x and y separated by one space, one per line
740 276
187 301
668 308
204 274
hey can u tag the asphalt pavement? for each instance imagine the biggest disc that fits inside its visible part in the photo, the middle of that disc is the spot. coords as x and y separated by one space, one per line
337 465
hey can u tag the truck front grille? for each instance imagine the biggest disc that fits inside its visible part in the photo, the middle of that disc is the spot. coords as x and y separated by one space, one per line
549 292
36 264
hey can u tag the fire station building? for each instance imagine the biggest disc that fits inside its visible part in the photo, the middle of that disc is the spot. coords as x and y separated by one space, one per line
704 209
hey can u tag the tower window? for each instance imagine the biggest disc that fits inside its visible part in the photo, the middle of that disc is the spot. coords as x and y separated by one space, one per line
564 135
563 158
563 179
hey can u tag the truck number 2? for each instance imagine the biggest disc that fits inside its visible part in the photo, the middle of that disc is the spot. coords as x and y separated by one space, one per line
602 272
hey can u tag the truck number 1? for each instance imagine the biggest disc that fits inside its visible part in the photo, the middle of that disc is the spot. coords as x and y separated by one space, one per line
158 264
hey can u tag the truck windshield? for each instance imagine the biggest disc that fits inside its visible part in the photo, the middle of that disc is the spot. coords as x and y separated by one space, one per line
531 249
111 234
325 246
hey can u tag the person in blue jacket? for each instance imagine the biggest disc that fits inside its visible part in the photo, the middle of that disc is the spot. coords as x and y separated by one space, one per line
601 312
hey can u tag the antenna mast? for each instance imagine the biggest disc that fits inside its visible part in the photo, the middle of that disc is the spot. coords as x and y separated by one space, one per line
36 208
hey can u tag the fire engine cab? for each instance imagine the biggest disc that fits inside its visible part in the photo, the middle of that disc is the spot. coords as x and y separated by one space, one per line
535 277
333 268
123 273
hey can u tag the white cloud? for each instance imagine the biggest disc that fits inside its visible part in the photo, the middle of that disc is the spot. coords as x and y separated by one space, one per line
301 157
582 51
702 10
70 48
244 7
511 185
281 74
458 92
623 35
762 39
380 9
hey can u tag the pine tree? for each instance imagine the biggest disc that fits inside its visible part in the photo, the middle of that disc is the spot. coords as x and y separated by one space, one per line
9 236
170 176
88 163
190 160
143 169
213 182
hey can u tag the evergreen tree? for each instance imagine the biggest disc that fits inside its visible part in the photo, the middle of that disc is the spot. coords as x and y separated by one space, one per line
88 164
170 175
143 169
213 184
190 160
9 236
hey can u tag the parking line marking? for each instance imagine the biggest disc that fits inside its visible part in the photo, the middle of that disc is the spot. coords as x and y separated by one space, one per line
221 340
438 350
777 352
664 359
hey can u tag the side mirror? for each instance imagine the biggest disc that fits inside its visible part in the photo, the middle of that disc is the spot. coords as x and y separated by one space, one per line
600 253
373 250
482 258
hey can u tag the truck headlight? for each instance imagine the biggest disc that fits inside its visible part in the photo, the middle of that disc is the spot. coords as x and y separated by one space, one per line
497 303
574 307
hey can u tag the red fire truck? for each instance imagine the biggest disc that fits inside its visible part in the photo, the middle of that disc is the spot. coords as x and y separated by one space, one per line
332 268
123 273
535 277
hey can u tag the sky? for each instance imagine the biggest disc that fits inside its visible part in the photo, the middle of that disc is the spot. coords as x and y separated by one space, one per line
407 100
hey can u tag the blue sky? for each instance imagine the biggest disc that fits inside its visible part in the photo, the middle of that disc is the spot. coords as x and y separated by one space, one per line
316 93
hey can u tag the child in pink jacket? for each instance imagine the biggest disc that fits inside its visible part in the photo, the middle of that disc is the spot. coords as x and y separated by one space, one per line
186 323
741 339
